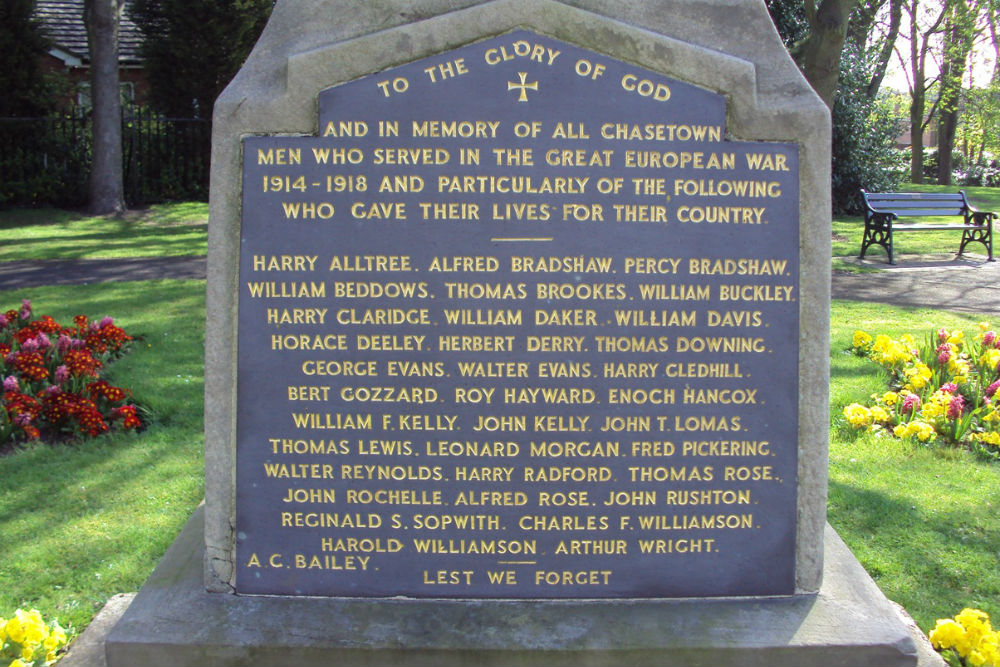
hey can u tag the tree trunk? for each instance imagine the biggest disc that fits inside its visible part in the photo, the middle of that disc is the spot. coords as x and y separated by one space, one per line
917 137
959 34
106 188
819 55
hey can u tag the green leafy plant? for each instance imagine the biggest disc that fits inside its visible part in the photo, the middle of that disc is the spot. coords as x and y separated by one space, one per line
947 388
28 641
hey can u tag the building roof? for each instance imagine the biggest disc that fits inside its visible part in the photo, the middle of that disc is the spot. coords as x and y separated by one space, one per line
62 23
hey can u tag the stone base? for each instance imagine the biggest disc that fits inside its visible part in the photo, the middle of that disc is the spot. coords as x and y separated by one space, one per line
174 622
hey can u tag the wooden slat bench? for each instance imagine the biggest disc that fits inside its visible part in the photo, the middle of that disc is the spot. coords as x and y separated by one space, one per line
883 208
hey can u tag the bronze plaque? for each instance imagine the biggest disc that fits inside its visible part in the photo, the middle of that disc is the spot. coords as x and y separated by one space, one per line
519 322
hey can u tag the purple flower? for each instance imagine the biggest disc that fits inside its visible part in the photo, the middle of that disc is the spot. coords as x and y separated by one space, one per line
22 419
26 309
61 374
942 335
989 337
43 341
949 387
106 322
3 321
955 407
64 344
10 383
910 404
10 358
30 345
992 389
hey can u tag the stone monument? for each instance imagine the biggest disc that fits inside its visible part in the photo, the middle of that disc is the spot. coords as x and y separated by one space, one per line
519 315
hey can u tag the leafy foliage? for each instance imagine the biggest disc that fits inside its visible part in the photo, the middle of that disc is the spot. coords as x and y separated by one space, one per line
863 129
25 92
864 133
192 48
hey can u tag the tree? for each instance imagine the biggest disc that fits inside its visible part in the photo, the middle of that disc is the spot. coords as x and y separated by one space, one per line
22 45
921 41
192 48
864 36
106 187
960 31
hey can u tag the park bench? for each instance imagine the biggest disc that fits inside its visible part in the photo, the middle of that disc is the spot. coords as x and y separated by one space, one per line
883 208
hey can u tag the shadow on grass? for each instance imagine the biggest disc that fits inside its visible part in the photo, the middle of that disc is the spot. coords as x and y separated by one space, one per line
895 538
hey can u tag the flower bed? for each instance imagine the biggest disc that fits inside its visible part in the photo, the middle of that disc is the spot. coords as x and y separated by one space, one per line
970 636
946 389
52 389
29 641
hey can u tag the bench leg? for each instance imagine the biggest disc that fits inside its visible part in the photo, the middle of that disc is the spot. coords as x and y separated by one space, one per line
877 235
982 235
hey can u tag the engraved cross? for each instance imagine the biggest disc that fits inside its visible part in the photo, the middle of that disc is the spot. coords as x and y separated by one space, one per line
523 86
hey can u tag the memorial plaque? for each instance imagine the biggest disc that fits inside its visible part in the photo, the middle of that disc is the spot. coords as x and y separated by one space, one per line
519 322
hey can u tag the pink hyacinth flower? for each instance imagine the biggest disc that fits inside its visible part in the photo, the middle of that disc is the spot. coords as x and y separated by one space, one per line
22 419
992 389
942 335
910 404
10 383
989 337
949 387
3 321
106 322
43 341
30 345
61 374
64 344
955 407
26 309
944 357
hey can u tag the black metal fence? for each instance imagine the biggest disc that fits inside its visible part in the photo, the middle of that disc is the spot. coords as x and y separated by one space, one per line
47 160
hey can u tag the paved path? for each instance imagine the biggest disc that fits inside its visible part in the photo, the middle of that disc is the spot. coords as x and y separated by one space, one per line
935 281
14 275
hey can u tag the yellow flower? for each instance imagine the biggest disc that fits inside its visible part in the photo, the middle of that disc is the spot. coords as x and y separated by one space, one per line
858 415
890 398
14 630
879 414
990 438
917 376
919 429
990 358
947 633
861 339
984 327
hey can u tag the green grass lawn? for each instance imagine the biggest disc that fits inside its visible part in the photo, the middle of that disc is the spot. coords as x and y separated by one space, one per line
162 230
847 233
921 519
81 523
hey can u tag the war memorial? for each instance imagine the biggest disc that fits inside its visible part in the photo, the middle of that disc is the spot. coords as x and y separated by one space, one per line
520 314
